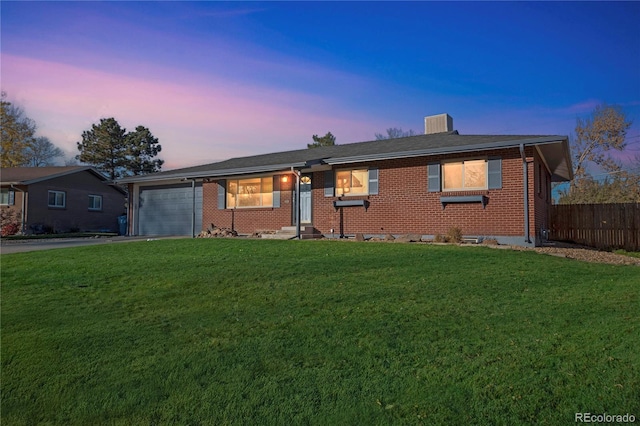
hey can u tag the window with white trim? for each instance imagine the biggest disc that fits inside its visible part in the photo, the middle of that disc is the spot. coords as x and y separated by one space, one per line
352 182
252 192
464 175
95 202
7 197
57 199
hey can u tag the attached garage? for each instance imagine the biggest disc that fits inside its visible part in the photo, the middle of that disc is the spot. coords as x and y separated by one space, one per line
170 209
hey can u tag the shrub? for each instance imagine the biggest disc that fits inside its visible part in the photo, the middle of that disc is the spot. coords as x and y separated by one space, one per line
439 239
9 222
454 235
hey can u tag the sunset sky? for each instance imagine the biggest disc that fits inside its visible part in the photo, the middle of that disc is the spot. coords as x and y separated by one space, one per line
214 80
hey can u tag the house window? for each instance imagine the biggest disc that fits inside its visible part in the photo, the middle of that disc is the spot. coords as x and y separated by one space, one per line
464 175
95 202
254 192
57 199
352 182
7 197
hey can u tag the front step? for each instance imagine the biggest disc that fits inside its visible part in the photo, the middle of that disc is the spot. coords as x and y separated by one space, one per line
289 232
278 236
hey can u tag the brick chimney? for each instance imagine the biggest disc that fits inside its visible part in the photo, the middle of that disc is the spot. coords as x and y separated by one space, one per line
440 123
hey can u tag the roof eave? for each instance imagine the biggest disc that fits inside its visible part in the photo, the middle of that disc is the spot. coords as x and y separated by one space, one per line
213 173
65 173
563 170
440 151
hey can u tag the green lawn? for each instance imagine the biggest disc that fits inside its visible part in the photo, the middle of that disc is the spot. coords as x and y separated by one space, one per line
314 332
628 253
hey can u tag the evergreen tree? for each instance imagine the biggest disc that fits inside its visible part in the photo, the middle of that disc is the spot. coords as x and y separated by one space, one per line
142 147
109 147
326 140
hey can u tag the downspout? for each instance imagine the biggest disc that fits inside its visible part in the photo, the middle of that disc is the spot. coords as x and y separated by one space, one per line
297 212
193 205
193 208
24 210
134 206
525 175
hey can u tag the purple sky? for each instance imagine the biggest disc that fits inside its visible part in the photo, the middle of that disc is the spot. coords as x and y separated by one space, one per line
214 80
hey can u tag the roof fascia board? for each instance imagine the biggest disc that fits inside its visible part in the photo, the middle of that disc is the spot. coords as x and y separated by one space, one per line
567 158
214 173
257 169
443 150
316 168
61 174
344 160
157 182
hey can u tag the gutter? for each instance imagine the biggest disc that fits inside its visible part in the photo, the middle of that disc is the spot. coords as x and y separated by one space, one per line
525 175
211 173
436 151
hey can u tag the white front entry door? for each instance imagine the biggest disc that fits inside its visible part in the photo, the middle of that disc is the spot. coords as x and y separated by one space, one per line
305 199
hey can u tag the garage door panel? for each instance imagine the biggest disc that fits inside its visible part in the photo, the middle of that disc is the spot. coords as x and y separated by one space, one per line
167 210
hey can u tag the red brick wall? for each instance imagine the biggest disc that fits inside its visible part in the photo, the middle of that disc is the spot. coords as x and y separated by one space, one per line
251 219
403 204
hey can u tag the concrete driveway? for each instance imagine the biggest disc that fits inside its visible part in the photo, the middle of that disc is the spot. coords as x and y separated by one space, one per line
20 246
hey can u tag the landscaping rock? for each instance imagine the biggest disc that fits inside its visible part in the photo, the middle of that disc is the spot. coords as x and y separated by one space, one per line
408 238
215 232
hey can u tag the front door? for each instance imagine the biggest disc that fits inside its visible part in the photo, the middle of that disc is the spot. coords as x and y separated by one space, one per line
305 199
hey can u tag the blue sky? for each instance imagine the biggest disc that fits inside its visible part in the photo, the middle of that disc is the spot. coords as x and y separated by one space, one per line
214 80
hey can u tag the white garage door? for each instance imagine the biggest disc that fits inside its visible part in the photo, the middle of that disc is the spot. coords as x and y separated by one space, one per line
168 210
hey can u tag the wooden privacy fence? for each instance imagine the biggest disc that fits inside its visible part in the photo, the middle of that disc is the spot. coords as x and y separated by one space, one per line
604 226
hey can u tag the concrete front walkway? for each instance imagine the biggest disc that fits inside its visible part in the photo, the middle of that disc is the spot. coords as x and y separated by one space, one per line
20 246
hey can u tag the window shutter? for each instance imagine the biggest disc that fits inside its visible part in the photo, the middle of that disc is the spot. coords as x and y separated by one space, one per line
12 198
494 166
433 173
222 194
373 181
328 183
276 191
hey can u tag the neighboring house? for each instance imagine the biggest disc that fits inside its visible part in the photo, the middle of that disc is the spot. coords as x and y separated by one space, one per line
61 199
488 186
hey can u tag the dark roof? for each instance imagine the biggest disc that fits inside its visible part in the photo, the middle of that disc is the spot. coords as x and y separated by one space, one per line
411 146
31 175
27 175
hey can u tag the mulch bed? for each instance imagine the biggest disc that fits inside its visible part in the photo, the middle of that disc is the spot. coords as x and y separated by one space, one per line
583 253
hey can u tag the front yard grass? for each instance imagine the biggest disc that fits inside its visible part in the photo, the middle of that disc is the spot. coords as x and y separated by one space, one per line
628 253
314 332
